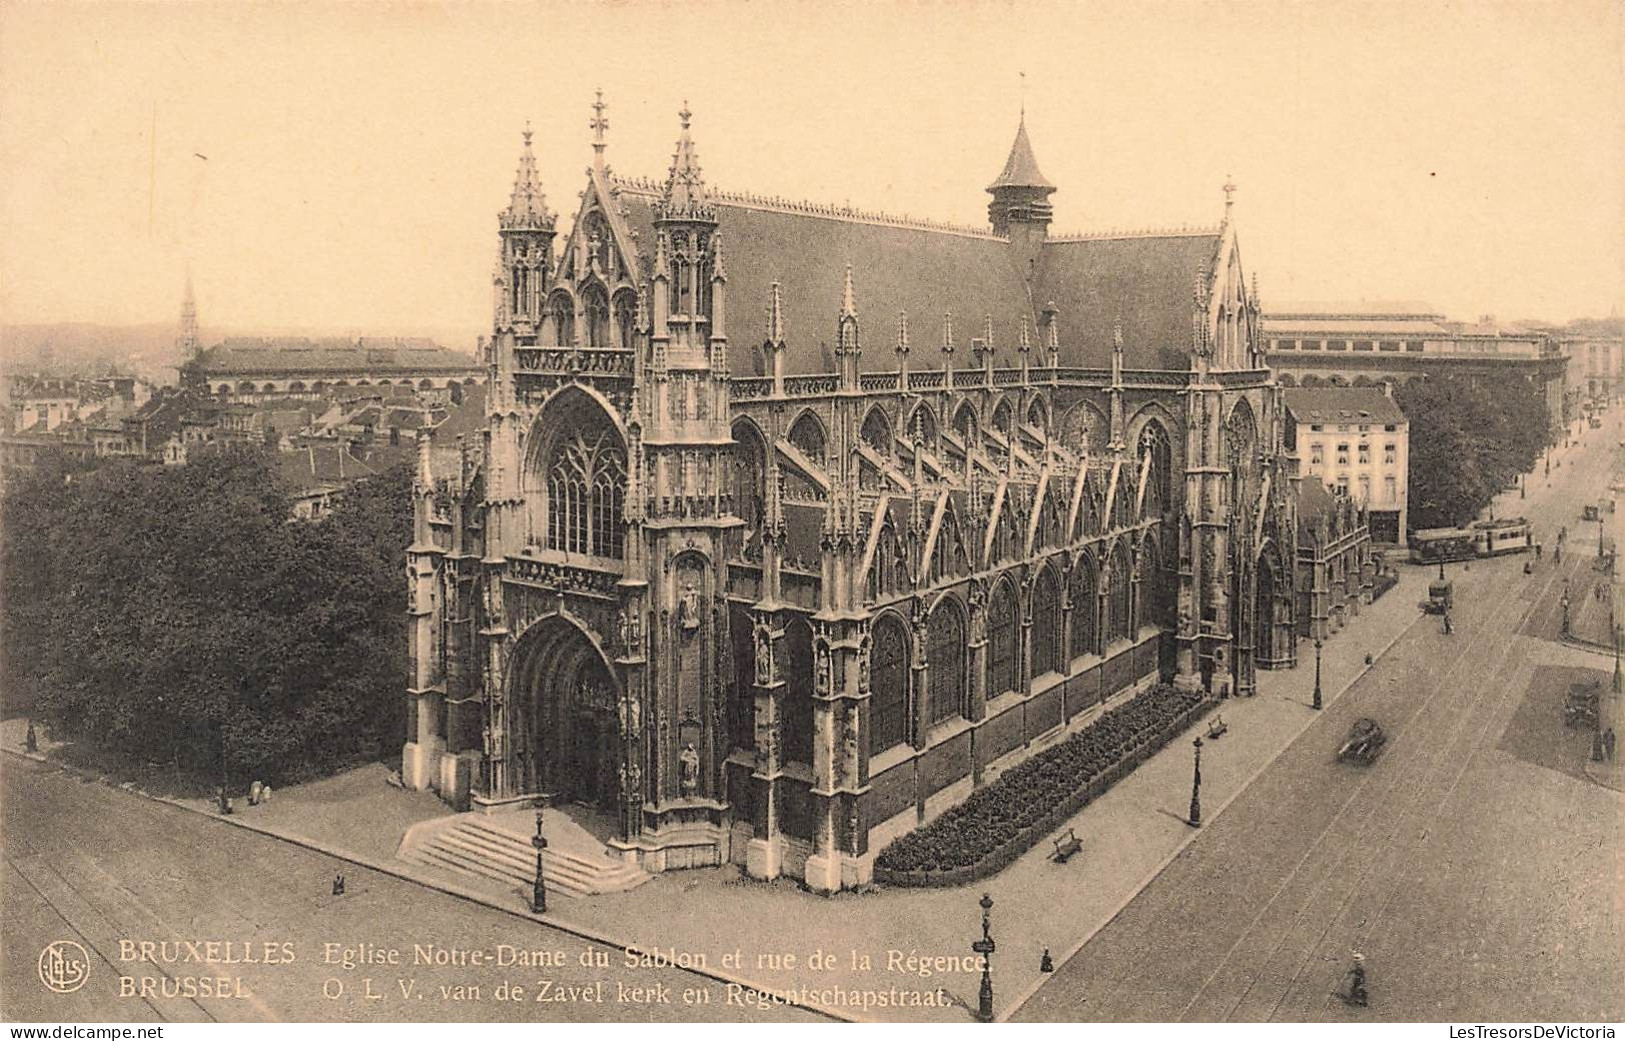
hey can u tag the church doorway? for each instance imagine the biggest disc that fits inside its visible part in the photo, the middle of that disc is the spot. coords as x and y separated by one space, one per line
571 748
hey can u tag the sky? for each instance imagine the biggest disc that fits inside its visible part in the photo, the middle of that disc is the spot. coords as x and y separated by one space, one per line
339 167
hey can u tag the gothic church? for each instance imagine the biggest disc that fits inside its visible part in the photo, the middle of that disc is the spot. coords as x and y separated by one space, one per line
774 590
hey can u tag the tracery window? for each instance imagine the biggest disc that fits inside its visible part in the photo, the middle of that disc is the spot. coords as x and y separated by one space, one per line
1084 606
1003 639
595 304
1159 474
1118 597
945 635
562 313
877 432
586 488
626 310
889 675
798 693
1046 631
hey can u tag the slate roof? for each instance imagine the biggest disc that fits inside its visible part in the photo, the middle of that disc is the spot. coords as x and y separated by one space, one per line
1342 405
1314 502
895 267
1146 280
1021 168
928 270
466 418
269 355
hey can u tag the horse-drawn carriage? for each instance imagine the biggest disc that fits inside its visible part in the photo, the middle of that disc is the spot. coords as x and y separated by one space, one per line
1441 597
1365 742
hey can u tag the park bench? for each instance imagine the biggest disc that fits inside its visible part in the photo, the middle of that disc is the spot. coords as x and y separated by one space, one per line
1217 728
1066 846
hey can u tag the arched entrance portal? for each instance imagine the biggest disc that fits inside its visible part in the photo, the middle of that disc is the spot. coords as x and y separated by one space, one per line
567 726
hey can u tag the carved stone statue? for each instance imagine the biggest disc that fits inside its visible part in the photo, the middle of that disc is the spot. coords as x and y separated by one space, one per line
764 655
688 606
689 761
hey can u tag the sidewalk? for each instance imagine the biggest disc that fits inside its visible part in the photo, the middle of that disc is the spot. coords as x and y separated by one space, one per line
1129 835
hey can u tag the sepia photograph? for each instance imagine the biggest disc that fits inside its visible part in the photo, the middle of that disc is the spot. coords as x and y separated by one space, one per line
791 512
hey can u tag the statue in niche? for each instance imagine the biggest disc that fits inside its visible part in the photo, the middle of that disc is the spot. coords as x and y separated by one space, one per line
688 606
689 761
764 656
631 717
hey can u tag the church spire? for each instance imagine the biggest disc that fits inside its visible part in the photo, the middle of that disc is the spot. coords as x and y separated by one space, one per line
187 341
1021 208
527 208
685 197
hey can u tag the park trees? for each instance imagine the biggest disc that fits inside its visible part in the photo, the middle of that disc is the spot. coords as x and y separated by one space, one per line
178 615
1470 437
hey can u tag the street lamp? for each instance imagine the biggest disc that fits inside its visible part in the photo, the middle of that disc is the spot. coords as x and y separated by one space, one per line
1619 681
1195 819
538 892
985 947
1441 569
1565 602
1317 672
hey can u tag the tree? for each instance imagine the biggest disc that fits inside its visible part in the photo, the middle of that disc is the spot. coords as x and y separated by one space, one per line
1470 437
177 614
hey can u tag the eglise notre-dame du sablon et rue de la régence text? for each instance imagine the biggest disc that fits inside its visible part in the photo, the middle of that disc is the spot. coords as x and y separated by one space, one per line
788 521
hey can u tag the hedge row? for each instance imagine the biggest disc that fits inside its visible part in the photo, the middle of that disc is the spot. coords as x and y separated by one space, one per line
1002 820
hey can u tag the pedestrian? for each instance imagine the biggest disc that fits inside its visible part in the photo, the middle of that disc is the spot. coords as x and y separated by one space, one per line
1046 963
254 791
31 739
1608 743
338 885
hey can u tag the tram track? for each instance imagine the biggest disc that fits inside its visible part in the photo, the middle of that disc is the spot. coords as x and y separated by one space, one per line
1335 848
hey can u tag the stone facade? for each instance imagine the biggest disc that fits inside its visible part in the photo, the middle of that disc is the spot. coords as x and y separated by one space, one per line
757 599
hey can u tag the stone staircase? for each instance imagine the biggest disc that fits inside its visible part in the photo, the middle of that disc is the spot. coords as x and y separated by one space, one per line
493 847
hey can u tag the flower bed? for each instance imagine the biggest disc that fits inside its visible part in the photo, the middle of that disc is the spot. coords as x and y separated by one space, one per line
1002 820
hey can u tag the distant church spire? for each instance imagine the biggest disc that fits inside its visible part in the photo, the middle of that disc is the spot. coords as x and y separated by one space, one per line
186 343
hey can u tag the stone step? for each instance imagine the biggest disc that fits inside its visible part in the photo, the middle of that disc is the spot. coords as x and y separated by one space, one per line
473 845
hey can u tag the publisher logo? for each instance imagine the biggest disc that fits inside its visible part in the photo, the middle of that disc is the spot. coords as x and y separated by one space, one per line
64 966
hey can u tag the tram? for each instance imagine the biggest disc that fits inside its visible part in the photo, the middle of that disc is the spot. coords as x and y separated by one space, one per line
1493 538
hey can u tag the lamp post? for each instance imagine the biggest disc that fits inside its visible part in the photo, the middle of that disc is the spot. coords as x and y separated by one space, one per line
538 892
1441 569
1619 681
1565 602
1195 819
1317 672
985 947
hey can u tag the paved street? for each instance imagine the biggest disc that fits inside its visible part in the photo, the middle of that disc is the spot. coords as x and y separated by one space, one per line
1475 864
88 863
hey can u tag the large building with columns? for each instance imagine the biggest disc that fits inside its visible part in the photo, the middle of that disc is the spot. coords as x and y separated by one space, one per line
791 524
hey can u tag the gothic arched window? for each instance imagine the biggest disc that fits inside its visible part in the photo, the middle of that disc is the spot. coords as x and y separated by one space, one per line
1046 631
807 434
561 312
595 304
1121 579
1085 590
1159 473
877 431
626 310
742 706
798 693
582 468
945 636
889 675
1003 640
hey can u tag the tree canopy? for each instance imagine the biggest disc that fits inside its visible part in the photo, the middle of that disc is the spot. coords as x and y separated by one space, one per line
167 613
1470 436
